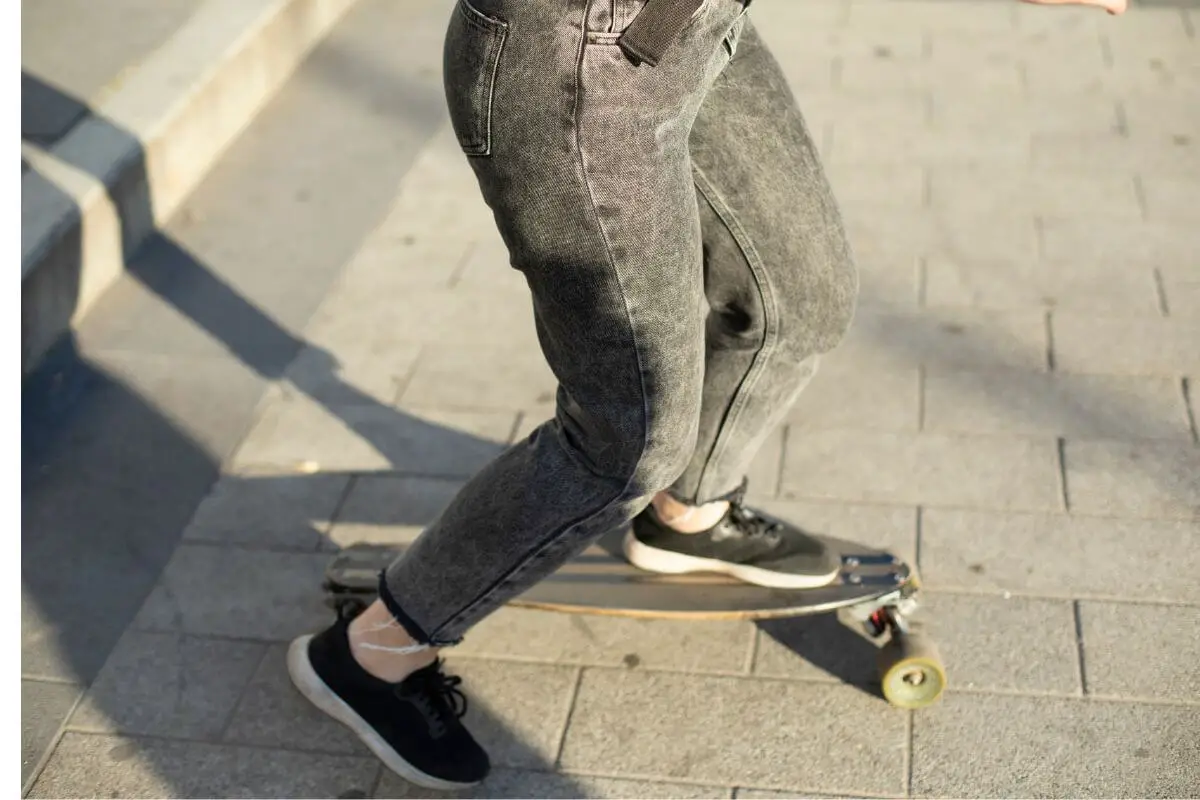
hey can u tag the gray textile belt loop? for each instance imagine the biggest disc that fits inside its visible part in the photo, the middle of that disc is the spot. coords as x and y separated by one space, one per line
655 28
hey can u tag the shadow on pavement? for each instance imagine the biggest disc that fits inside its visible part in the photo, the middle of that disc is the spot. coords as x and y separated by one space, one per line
108 486
109 483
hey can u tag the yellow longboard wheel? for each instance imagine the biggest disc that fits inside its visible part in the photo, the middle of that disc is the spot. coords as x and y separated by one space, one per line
911 671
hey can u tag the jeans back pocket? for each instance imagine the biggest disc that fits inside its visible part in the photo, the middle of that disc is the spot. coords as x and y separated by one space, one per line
470 60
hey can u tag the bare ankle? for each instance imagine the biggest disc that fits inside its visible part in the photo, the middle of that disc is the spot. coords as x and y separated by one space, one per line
383 648
684 518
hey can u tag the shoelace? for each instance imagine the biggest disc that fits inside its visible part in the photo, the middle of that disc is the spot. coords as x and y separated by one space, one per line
746 520
437 696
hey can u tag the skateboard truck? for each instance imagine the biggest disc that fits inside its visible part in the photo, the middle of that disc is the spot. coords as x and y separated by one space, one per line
911 674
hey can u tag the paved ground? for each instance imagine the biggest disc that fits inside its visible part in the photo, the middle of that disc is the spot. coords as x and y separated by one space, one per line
72 51
1016 407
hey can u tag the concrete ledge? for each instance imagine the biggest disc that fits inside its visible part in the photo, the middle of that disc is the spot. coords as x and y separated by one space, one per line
102 189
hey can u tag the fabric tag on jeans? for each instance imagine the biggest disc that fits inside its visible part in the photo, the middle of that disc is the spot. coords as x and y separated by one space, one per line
655 28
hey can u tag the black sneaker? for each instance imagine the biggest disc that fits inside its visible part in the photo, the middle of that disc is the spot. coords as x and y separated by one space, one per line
414 726
745 544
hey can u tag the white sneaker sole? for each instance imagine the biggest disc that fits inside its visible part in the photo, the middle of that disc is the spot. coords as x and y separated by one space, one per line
320 695
652 559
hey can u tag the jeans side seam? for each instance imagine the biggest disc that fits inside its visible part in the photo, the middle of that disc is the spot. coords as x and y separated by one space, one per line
557 536
770 322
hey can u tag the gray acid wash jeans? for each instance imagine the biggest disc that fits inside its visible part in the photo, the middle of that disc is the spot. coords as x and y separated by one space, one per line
687 265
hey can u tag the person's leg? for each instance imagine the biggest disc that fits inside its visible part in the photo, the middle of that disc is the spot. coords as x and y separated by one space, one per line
584 159
781 285
779 273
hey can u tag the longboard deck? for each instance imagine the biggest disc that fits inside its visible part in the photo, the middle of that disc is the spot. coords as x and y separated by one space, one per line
600 581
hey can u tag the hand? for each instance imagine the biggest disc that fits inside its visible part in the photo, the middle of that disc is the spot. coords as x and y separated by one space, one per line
1111 6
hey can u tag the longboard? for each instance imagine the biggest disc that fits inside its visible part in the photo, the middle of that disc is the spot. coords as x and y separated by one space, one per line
875 587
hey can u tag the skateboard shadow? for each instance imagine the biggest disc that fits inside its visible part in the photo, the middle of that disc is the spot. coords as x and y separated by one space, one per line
827 644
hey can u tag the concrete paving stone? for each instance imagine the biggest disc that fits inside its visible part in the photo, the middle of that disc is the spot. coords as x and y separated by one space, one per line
963 49
1153 151
1125 345
44 707
112 478
248 594
933 16
989 190
391 265
1172 199
521 783
168 684
929 144
1065 114
272 713
1168 70
899 185
1054 23
390 508
771 734
48 654
450 204
1152 30
85 52
1182 289
1056 404
762 794
1167 245
268 509
398 255
528 634
997 643
928 468
1138 650
764 472
887 280
1060 555
1160 116
944 338
864 393
826 647
779 20
466 315
85 765
1134 479
861 72
201 401
457 377
297 430
488 265
986 643
1088 72
516 711
926 233
365 375
866 108
994 746
897 46
447 206
175 306
1015 283
441 160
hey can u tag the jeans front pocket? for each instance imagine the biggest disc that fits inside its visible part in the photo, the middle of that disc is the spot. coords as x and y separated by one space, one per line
470 62
734 35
